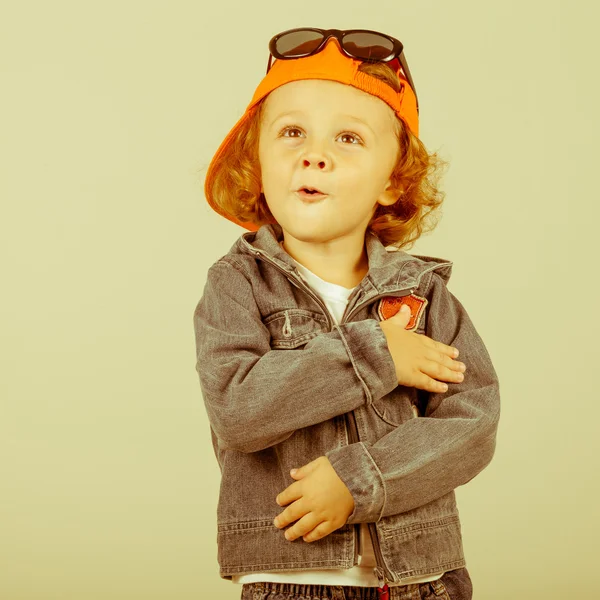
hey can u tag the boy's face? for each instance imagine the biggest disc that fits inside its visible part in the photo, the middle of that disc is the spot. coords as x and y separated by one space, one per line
325 147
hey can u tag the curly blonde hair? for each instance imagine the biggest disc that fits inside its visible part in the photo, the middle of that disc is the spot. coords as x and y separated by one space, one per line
237 179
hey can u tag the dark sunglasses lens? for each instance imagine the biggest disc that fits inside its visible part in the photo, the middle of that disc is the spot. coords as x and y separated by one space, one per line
369 46
298 43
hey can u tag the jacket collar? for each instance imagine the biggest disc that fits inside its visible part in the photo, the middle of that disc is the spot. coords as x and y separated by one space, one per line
390 269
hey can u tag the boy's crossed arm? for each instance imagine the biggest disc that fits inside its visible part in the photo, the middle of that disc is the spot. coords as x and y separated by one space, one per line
422 459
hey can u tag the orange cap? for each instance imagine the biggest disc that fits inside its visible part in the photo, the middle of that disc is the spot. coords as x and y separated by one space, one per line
330 63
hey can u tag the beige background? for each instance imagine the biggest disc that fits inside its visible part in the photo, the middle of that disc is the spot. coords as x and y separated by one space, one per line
109 113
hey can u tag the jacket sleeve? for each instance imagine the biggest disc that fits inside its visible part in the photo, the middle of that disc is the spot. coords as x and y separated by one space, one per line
255 396
426 457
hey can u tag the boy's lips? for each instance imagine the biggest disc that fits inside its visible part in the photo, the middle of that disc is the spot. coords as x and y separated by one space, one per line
310 187
310 197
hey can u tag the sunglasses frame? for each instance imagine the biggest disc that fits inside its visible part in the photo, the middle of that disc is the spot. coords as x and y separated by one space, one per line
396 52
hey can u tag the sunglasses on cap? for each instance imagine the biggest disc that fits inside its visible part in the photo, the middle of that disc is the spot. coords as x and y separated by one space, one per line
360 44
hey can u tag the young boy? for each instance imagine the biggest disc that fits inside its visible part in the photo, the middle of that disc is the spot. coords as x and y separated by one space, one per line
309 369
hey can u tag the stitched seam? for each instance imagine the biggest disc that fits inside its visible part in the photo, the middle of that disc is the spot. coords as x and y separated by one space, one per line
295 312
380 477
382 415
233 263
429 283
236 569
402 267
432 270
297 341
272 566
442 523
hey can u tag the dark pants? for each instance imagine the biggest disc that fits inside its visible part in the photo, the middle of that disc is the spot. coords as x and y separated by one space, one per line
452 585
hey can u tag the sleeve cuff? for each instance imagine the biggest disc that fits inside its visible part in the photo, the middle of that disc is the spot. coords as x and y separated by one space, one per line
371 358
356 468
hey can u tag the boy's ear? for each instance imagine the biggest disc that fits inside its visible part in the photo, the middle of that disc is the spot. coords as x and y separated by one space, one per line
390 195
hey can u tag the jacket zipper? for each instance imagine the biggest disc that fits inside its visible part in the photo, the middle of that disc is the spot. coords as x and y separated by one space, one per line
380 568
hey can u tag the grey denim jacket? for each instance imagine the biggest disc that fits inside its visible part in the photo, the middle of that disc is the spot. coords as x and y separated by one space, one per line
283 384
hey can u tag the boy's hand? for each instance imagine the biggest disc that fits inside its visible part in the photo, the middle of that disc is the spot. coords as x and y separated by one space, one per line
320 500
418 359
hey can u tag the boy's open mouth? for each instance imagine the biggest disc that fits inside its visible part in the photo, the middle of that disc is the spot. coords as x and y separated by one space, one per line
310 194
309 189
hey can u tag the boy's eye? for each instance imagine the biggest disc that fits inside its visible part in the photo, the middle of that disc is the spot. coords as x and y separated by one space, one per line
344 134
352 136
286 129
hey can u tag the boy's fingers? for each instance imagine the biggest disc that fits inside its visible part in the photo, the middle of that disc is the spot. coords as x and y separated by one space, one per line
292 492
439 372
320 531
302 526
402 317
446 362
430 385
441 347
450 351
289 515
451 375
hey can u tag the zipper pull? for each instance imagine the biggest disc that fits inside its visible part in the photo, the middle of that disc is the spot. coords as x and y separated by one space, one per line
383 591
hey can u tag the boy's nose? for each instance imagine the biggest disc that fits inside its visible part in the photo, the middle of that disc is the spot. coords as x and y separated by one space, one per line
316 156
320 162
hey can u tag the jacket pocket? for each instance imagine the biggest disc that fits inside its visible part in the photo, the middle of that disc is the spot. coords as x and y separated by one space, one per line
294 327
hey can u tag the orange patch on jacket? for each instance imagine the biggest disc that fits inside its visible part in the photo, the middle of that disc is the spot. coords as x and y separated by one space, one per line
390 305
